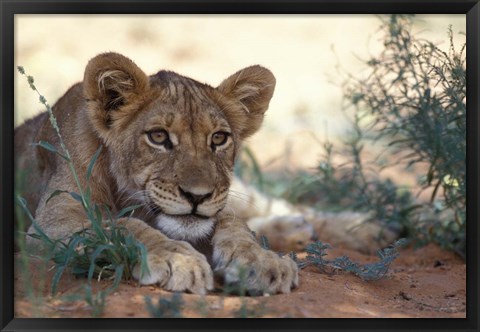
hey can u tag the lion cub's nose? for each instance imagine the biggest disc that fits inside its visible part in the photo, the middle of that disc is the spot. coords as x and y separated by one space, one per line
194 199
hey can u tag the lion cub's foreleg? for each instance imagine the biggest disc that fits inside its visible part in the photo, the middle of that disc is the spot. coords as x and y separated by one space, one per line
235 248
174 265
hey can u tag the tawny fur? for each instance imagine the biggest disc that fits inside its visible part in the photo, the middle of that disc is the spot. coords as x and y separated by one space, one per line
289 227
116 106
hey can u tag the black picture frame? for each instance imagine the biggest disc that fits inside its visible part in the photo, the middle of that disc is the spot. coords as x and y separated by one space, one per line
9 8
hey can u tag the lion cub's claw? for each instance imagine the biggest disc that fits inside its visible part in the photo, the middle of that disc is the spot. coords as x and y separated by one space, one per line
177 266
261 272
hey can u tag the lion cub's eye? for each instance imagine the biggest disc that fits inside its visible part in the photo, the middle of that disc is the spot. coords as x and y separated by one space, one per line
159 137
219 138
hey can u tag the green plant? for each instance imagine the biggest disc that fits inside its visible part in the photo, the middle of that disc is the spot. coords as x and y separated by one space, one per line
102 249
264 242
166 308
201 307
408 110
317 251
247 310
414 100
242 289
96 301
20 243
354 184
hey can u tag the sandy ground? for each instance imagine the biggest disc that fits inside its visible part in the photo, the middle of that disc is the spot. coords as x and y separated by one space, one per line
303 52
427 282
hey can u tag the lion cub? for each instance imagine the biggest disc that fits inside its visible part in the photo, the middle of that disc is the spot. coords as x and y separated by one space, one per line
169 144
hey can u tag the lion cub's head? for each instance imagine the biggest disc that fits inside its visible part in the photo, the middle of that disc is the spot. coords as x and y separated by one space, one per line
171 140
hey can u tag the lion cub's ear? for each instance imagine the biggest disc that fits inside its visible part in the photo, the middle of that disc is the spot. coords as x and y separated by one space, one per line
113 86
253 88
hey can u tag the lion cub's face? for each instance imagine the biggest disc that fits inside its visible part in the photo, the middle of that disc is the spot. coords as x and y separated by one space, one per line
172 141
183 157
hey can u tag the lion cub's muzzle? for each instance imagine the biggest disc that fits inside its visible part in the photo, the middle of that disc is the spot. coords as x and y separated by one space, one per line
195 199
193 217
184 199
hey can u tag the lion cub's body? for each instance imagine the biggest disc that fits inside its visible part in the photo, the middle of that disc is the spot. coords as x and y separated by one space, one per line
168 143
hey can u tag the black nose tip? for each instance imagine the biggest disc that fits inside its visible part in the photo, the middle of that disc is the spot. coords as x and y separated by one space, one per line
194 198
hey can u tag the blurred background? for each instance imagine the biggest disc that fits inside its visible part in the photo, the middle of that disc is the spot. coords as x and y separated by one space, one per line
305 52
402 78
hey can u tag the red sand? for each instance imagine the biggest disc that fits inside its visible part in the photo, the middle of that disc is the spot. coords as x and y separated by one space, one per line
427 282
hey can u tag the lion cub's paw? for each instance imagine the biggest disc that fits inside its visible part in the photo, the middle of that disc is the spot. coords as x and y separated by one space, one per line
261 271
176 266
